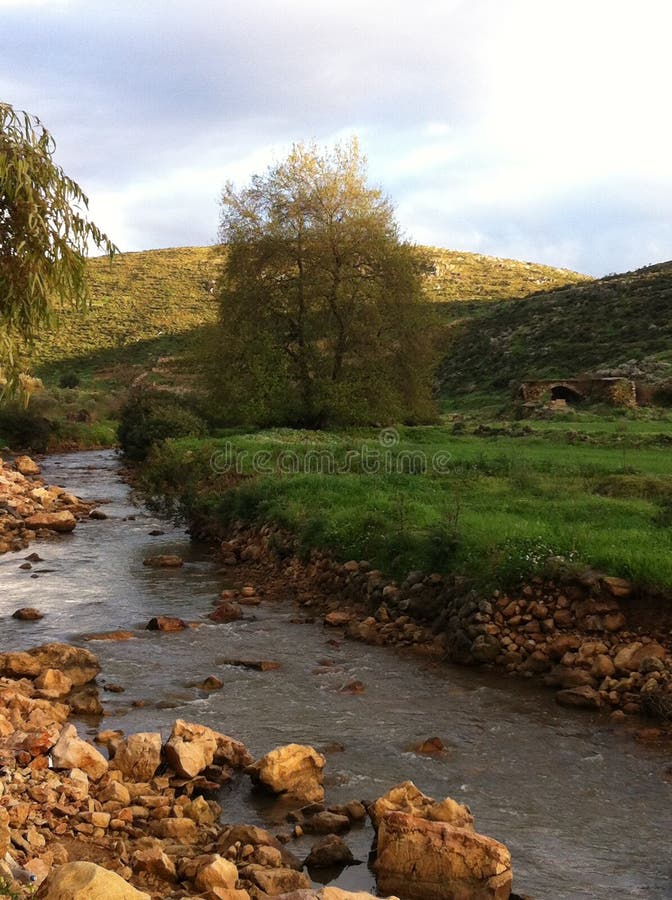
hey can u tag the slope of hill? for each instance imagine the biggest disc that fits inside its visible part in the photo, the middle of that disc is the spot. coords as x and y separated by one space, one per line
148 305
619 325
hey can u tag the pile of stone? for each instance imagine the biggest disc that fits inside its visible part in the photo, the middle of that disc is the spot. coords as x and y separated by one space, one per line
31 508
140 821
574 632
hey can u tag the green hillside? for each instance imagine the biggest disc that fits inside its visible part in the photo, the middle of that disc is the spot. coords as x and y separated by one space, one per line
620 325
150 305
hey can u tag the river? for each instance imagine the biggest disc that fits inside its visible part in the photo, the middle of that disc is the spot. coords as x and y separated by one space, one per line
584 810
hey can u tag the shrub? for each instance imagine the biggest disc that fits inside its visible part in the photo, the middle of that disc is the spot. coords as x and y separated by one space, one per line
149 418
69 380
24 429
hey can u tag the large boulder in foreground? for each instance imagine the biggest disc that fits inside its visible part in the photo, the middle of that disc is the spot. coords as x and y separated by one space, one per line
423 860
71 752
80 665
138 756
294 770
87 881
407 798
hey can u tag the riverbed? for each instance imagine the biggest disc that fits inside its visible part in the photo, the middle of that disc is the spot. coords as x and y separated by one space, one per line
584 810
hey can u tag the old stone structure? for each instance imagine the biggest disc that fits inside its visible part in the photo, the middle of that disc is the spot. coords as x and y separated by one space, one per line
616 391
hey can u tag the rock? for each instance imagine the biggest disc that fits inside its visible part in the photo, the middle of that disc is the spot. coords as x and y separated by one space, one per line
406 798
71 752
53 684
165 623
155 862
61 521
19 665
259 665
275 881
228 611
430 746
330 851
97 514
28 614
191 748
630 657
294 770
26 466
80 665
138 756
338 619
326 823
617 587
584 697
216 873
211 683
87 881
181 830
242 835
423 860
84 700
199 811
110 636
164 561
5 835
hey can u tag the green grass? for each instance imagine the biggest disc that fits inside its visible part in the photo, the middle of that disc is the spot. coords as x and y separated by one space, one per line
496 510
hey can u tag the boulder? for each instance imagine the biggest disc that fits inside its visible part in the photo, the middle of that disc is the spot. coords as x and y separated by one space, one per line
155 862
275 881
294 770
62 521
326 823
180 830
166 623
258 838
216 873
423 860
330 851
228 611
19 665
28 613
584 697
86 881
164 561
71 752
630 657
407 798
26 466
138 756
53 684
80 665
190 748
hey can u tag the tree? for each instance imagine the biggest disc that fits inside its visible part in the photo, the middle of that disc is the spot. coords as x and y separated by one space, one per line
322 319
44 236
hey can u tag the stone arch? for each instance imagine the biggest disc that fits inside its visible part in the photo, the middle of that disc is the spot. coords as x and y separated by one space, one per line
567 393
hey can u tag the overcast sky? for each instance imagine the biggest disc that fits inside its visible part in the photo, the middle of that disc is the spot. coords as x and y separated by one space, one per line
534 129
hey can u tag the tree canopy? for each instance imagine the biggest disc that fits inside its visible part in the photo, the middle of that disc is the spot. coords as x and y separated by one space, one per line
322 316
44 236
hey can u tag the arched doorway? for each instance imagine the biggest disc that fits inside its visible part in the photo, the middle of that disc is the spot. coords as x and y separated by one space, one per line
566 393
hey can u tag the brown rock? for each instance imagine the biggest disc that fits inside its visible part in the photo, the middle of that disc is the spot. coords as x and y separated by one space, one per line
164 561
295 770
406 798
19 665
28 614
165 623
275 881
26 466
61 521
326 823
53 684
155 862
183 831
584 697
330 851
191 748
216 873
228 611
617 587
71 752
422 860
630 657
138 756
86 881
80 665
338 618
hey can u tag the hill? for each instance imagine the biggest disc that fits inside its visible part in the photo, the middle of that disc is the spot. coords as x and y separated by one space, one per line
620 325
150 305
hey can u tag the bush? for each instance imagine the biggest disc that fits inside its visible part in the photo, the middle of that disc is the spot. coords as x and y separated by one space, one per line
149 418
69 380
24 429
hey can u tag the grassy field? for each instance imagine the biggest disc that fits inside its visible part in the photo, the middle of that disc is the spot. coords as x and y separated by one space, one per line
493 508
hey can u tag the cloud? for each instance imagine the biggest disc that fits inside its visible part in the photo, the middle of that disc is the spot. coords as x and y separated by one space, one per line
524 128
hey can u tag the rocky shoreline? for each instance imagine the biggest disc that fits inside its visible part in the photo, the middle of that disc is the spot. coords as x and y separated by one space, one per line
140 821
587 636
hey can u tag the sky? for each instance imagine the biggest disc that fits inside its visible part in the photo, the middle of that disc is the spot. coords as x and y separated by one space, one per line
531 129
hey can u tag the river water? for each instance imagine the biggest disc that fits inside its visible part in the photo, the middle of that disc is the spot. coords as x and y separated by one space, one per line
583 809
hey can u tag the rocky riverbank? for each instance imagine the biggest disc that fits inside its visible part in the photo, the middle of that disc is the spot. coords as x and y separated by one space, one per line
30 508
587 636
138 819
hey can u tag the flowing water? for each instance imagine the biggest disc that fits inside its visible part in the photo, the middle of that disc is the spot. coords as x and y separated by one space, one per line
583 808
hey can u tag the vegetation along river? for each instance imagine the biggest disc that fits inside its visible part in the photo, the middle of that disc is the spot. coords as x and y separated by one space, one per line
584 810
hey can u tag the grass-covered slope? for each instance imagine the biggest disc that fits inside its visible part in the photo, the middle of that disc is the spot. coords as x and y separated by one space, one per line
621 324
147 305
